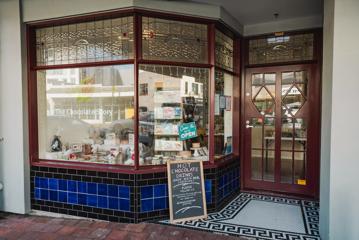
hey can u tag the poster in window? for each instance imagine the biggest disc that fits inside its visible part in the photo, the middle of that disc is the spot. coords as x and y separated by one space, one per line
228 103
222 102
216 104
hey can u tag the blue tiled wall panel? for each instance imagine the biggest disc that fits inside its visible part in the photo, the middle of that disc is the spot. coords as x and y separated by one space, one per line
155 197
228 183
108 196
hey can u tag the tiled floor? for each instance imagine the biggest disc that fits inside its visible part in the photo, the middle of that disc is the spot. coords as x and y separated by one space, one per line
23 227
263 217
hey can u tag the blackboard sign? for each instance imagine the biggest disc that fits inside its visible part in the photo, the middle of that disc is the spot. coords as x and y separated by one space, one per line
186 190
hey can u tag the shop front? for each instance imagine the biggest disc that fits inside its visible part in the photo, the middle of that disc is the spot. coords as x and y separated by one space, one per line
115 96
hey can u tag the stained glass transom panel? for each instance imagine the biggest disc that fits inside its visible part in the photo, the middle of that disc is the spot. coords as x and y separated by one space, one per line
96 41
224 51
169 40
281 49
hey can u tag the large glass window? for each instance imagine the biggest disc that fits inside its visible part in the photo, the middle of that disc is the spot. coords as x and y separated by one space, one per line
96 41
86 114
168 40
223 114
173 117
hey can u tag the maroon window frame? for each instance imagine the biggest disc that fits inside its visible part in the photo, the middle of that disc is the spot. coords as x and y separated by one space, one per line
136 61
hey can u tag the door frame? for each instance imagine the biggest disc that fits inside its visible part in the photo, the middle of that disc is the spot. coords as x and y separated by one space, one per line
313 152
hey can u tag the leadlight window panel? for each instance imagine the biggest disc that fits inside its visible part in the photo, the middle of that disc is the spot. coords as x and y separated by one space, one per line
95 41
289 48
224 51
168 40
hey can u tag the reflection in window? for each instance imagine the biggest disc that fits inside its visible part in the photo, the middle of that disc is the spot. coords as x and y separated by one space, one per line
95 41
177 97
169 40
223 117
281 49
86 114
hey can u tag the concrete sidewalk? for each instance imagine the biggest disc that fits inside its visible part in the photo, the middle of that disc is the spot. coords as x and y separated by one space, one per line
25 227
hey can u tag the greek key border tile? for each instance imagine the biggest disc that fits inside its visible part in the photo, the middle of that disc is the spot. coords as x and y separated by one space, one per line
310 211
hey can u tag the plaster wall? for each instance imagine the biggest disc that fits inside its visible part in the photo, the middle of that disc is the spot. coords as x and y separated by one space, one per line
14 167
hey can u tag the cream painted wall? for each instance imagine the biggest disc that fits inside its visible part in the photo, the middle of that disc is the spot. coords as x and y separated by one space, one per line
344 155
14 167
35 10
283 25
339 215
327 75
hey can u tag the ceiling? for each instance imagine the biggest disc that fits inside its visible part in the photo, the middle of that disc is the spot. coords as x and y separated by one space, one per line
249 12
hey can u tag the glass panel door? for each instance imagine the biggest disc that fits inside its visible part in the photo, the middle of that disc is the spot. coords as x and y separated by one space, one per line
276 127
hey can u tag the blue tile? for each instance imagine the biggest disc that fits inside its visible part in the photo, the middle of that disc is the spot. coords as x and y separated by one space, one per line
44 183
125 205
208 185
37 193
53 184
92 188
102 189
102 202
72 198
72 186
82 187
37 182
146 192
62 185
221 181
63 197
147 205
160 203
44 194
225 179
160 190
53 195
124 192
113 203
92 200
208 197
82 199
113 190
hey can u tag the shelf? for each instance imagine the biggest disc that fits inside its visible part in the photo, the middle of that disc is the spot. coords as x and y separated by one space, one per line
164 134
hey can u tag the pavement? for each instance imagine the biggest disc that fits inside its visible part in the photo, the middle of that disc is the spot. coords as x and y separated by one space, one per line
29 227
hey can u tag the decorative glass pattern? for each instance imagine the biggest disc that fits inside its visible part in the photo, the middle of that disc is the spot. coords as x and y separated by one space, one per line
224 51
95 41
281 49
168 40
263 93
294 88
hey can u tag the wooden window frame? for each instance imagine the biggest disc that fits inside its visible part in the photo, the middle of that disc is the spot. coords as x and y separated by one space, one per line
136 61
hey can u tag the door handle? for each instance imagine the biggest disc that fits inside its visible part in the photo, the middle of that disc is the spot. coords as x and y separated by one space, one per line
249 126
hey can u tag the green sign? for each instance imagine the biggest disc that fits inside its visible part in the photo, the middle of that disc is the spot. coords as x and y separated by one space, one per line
187 131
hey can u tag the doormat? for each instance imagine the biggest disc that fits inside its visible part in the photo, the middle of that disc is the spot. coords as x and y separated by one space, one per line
262 217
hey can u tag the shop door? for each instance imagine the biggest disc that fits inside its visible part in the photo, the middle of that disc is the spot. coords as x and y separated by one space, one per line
278 146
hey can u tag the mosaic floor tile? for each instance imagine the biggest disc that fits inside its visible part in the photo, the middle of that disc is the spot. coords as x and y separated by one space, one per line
262 217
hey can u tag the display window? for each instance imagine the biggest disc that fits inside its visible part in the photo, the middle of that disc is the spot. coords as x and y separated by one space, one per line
177 100
223 114
130 89
87 114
